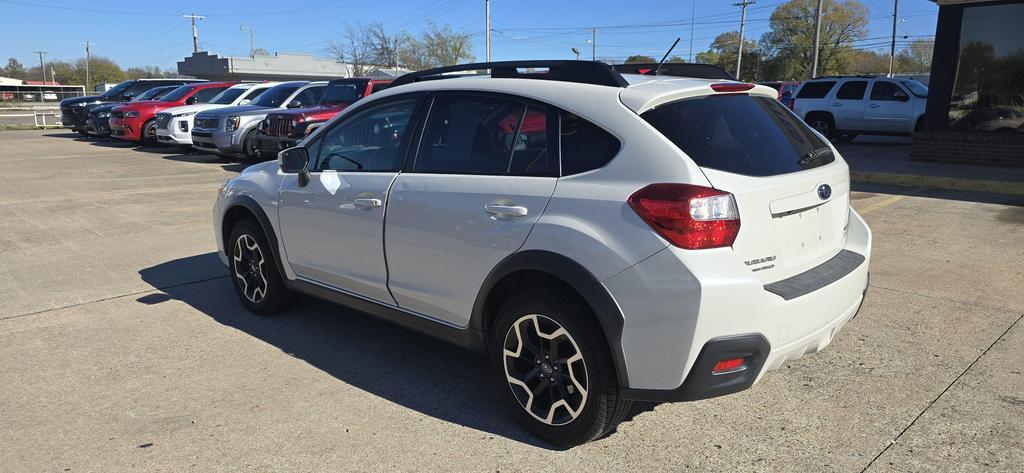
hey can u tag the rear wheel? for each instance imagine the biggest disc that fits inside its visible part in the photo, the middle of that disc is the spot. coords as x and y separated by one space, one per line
254 274
822 123
554 369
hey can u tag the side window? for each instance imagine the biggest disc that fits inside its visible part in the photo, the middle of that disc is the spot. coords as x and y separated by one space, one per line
139 87
205 95
379 86
887 91
815 90
532 147
469 135
256 93
852 90
307 98
584 145
368 141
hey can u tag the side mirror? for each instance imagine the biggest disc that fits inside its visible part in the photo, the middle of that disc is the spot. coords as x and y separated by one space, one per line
294 104
295 160
244 102
127 97
191 100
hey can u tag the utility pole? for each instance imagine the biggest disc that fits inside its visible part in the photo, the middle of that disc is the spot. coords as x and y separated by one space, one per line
88 55
743 20
195 32
488 26
42 65
593 44
817 41
693 17
892 48
242 27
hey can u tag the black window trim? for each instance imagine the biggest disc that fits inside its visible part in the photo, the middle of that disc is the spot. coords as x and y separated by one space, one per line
524 101
353 111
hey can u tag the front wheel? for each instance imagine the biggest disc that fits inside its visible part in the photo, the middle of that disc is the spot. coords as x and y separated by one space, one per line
554 369
254 274
148 137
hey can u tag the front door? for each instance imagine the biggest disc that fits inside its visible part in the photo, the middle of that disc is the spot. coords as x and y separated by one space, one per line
333 227
889 109
484 171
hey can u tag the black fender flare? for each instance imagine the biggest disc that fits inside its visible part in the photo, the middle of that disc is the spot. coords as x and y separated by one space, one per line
576 276
253 208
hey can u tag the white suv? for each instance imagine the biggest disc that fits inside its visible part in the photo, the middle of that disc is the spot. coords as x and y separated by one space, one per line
841 107
174 125
601 237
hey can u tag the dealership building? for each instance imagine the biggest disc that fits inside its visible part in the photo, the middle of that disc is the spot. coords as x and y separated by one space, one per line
975 111
278 66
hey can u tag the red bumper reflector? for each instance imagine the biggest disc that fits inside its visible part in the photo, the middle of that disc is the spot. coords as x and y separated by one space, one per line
728 366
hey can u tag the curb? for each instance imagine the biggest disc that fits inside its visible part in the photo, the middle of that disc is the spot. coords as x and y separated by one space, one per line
940 182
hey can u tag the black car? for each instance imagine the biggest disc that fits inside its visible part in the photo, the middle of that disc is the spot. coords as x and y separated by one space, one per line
74 111
97 122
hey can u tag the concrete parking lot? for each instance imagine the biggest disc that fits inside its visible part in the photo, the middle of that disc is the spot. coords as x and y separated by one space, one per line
124 349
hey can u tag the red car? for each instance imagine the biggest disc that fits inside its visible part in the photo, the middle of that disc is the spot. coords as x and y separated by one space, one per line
136 121
283 129
787 90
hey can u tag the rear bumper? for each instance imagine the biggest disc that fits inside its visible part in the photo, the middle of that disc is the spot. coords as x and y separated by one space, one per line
677 305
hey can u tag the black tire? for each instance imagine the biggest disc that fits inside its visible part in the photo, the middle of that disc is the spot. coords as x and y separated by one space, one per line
846 137
249 147
823 123
254 274
594 395
83 133
919 125
148 136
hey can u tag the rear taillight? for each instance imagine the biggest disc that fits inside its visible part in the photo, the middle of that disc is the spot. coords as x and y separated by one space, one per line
731 86
688 216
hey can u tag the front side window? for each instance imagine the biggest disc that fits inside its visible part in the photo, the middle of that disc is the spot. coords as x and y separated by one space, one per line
370 140
988 93
470 135
887 91
275 96
308 97
226 97
205 95
179 93
742 134
852 90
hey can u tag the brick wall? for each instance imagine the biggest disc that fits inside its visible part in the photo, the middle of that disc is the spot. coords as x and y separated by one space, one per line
997 149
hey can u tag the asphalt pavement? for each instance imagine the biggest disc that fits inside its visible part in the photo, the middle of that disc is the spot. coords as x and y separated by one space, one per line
124 349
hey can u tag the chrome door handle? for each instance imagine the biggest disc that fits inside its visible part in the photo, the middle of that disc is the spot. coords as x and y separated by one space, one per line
874 105
506 210
368 202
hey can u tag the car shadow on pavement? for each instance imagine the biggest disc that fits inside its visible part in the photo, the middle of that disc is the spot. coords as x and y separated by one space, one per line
206 158
383 359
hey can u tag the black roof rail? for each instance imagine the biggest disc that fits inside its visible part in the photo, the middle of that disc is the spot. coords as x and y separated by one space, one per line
677 69
584 72
862 76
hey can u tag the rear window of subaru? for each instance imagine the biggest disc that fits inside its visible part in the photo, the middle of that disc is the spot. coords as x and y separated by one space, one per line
742 134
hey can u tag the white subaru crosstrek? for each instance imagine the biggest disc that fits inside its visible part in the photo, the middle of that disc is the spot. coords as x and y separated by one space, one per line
602 237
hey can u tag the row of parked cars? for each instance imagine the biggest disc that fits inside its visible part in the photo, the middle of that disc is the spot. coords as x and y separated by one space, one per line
251 120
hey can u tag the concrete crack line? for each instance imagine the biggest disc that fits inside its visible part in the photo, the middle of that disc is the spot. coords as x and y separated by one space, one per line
104 299
945 299
933 401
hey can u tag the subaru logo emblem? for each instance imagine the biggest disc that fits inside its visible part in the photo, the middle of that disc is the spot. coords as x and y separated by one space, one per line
824 191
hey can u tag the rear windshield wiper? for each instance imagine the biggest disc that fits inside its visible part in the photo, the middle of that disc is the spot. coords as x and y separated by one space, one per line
813 155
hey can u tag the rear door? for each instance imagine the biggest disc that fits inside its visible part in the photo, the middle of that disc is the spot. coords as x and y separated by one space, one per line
792 195
848 105
889 108
484 171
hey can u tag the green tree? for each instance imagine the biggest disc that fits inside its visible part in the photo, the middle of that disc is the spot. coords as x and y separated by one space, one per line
790 41
640 59
437 46
723 52
101 70
916 57
14 69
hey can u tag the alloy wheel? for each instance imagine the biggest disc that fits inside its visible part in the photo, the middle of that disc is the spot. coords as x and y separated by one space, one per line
248 267
821 126
545 369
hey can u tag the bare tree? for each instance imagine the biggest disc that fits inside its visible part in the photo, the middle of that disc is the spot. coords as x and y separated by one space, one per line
445 47
385 46
354 48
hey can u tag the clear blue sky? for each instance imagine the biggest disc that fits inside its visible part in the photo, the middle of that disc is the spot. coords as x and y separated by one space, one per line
136 33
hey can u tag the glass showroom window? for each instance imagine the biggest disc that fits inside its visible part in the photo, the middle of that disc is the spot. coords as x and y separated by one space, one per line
988 93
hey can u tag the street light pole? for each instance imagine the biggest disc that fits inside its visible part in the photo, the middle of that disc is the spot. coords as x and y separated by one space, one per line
743 20
817 41
488 26
195 32
88 78
892 48
593 44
